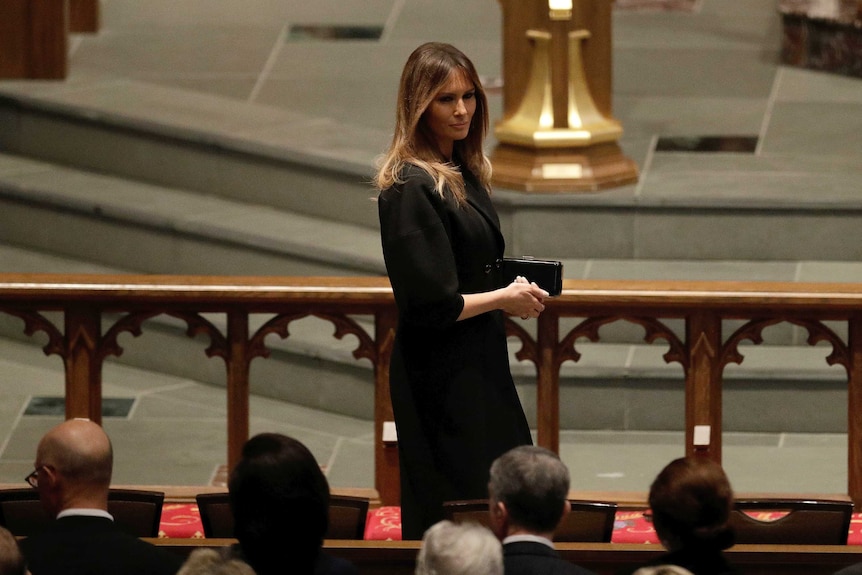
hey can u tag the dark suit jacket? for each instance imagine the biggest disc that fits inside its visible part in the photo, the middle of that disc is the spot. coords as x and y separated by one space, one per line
455 404
531 558
81 545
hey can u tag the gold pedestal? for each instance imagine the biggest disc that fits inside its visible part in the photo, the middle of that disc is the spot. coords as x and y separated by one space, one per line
587 169
535 123
554 148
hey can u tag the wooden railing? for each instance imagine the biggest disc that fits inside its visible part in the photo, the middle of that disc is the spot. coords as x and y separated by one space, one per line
703 351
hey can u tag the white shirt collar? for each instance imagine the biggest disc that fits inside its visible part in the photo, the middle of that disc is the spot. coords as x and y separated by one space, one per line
86 513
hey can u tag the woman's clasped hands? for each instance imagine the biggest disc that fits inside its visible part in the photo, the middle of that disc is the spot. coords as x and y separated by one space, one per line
525 299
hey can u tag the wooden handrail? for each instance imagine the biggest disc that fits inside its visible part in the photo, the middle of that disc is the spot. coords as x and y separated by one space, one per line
702 351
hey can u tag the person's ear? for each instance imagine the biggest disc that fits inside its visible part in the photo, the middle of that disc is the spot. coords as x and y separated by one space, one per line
499 518
48 476
498 509
567 507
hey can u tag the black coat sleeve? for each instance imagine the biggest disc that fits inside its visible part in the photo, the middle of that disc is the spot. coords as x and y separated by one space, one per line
418 252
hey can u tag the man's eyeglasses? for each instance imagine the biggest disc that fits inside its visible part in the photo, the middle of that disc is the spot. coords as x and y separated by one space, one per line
33 479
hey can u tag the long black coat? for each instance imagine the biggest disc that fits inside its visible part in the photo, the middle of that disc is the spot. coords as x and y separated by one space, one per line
455 404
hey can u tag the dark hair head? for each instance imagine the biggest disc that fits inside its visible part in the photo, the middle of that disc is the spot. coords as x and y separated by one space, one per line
425 73
533 484
427 69
691 500
280 502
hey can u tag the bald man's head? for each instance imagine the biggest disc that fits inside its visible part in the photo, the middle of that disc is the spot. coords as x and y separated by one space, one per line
79 458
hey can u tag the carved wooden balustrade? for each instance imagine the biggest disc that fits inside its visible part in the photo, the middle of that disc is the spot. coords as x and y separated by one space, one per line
703 351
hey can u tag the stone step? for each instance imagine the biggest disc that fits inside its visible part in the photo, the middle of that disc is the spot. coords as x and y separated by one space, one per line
155 229
320 167
198 142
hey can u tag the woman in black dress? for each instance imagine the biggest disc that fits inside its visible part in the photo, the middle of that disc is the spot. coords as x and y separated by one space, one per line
455 404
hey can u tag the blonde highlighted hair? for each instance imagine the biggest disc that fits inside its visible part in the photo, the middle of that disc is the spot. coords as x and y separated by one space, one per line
427 70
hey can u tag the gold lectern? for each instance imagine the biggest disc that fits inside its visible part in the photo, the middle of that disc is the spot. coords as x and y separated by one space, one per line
557 133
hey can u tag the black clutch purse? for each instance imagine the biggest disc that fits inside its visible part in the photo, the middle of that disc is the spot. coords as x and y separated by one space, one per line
547 274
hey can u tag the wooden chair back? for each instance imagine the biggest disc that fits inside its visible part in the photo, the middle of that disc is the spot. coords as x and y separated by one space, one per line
347 516
138 512
805 522
588 521
216 516
472 510
22 513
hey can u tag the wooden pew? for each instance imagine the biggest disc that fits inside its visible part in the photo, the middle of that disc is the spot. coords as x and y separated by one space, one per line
187 493
399 557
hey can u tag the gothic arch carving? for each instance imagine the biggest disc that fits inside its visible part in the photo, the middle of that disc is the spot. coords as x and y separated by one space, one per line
129 323
817 332
653 328
529 349
343 324
34 322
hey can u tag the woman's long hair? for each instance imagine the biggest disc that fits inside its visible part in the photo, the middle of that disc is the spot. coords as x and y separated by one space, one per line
427 69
